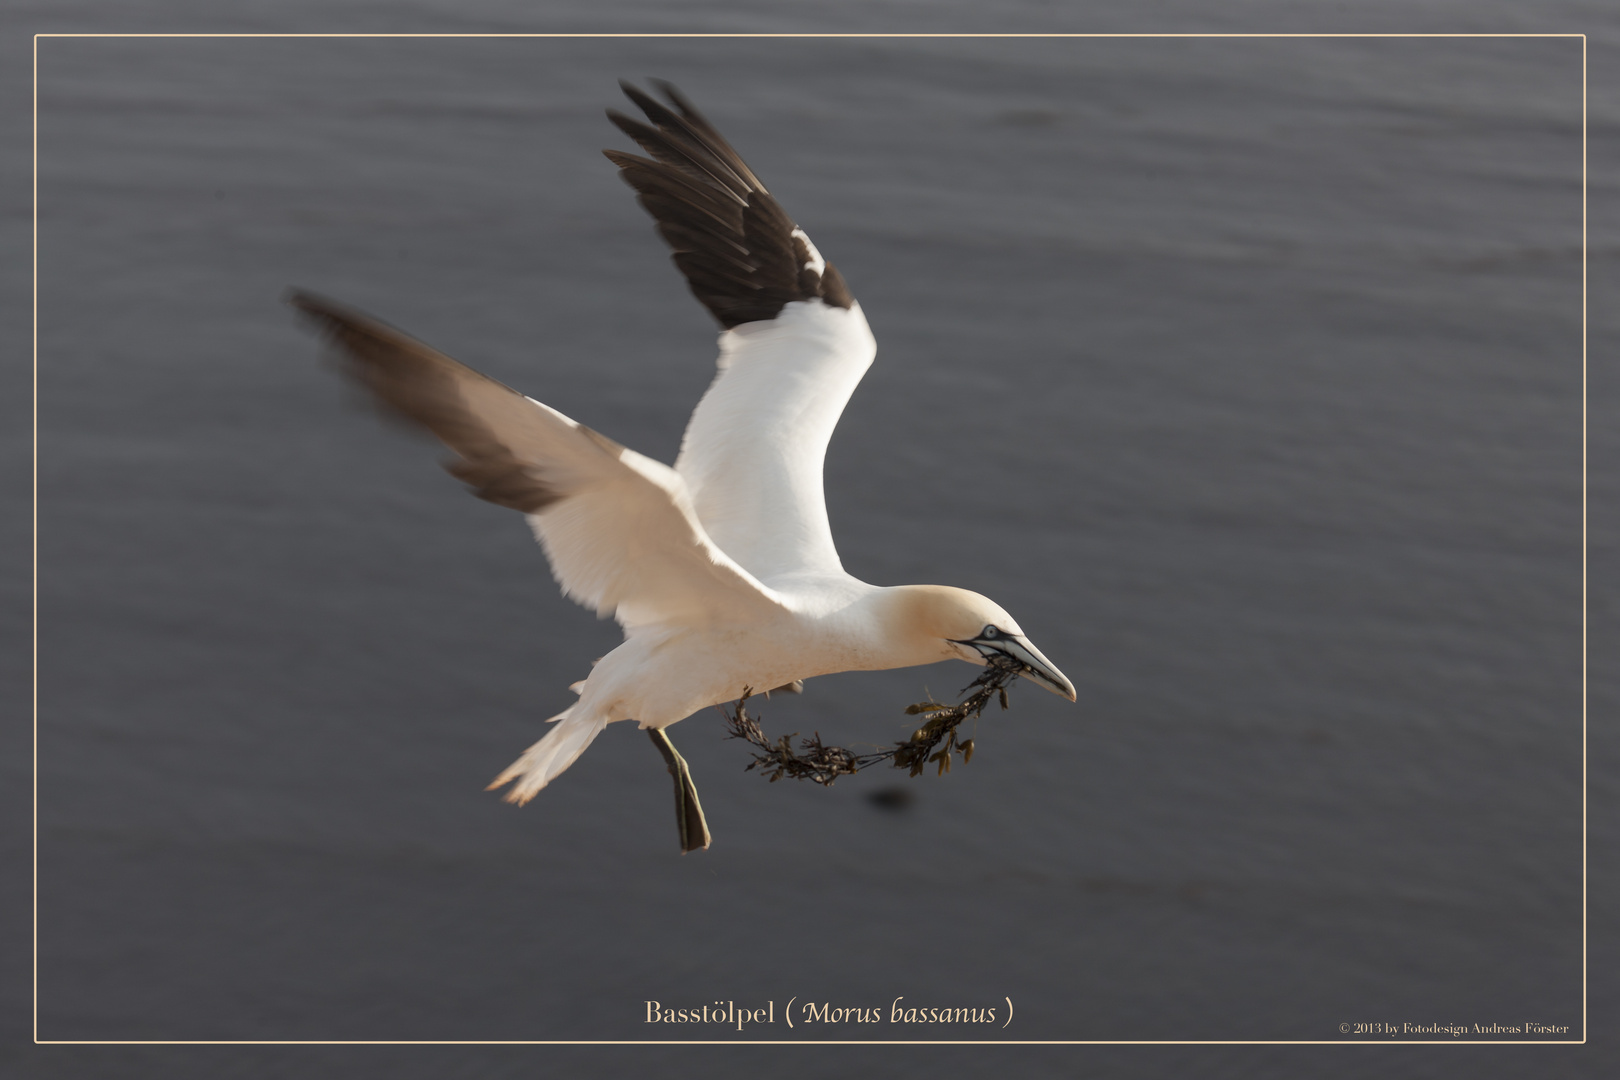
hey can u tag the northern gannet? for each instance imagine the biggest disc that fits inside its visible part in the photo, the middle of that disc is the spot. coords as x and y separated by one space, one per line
721 570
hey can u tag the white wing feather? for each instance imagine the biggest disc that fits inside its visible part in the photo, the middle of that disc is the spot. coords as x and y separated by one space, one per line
619 528
753 452
625 541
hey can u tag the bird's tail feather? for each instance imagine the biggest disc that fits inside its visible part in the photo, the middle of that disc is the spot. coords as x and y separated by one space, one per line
545 760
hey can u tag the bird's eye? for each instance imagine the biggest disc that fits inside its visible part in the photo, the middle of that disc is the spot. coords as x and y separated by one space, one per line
990 632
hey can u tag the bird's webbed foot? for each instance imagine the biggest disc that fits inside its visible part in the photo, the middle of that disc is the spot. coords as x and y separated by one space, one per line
688 811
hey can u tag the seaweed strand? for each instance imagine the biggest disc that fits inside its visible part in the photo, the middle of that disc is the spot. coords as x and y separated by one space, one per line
815 760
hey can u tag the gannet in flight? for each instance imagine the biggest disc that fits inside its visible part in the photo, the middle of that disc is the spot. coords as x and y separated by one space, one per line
722 570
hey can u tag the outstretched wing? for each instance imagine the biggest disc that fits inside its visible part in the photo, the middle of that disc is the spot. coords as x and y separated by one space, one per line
743 257
619 528
794 348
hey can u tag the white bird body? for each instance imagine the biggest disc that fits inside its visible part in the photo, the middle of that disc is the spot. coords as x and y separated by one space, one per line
722 570
751 468
662 674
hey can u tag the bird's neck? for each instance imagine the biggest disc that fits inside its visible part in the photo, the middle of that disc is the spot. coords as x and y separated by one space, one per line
892 626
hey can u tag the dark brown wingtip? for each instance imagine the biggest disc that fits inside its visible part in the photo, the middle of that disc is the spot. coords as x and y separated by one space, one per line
693 116
313 303
627 124
640 96
416 385
347 325
729 237
331 315
673 93
305 301
327 317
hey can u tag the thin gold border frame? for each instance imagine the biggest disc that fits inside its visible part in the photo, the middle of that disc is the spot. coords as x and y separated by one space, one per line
34 659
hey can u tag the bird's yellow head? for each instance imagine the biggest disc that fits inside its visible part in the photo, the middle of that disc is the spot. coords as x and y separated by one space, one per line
973 628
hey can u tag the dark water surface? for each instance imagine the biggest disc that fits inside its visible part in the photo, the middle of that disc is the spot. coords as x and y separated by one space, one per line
1245 373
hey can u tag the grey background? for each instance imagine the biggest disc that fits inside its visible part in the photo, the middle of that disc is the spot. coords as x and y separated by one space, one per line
1246 373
